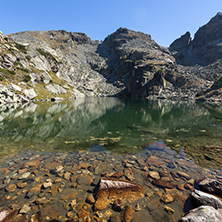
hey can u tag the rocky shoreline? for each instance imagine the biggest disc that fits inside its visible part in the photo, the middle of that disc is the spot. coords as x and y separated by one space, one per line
157 184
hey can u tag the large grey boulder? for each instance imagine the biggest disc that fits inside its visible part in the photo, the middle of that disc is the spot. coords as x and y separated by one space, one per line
14 87
203 214
212 186
29 93
199 198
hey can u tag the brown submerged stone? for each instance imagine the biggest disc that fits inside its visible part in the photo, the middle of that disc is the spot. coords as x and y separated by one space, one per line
108 190
162 183
115 189
128 214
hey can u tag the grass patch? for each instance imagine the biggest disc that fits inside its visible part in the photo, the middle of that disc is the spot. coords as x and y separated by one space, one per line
28 57
42 93
26 78
7 71
2 78
46 54
21 48
24 70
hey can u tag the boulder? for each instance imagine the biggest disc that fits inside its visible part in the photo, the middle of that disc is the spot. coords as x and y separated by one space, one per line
14 87
199 198
203 214
109 190
212 186
29 93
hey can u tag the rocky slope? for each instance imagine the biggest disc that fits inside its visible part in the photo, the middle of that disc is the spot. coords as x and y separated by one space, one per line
52 64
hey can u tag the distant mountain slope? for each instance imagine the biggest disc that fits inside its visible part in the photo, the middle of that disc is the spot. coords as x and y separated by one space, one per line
51 64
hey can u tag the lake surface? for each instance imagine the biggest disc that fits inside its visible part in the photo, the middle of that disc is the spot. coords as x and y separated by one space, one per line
114 124
53 155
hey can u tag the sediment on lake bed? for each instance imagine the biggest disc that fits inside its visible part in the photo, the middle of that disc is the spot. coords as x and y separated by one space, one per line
100 186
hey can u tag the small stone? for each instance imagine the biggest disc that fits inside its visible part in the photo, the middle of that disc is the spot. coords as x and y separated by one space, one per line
117 175
73 203
167 198
154 175
67 175
21 185
188 186
24 175
50 211
33 163
84 179
11 188
47 185
115 218
100 205
183 175
25 209
57 169
107 214
118 205
90 199
100 168
168 210
128 214
41 200
70 214
162 183
153 204
58 180
181 187
138 207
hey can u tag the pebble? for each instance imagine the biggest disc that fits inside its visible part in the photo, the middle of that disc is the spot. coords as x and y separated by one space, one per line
24 175
45 189
25 209
167 198
154 175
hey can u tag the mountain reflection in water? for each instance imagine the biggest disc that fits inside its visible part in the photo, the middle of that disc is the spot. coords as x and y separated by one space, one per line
122 126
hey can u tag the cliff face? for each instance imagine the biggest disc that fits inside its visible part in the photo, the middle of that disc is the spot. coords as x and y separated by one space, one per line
206 46
71 64
49 64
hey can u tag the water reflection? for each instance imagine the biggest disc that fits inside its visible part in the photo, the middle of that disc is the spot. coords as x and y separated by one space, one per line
123 126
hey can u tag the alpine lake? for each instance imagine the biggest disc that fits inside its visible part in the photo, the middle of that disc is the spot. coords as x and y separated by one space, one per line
176 141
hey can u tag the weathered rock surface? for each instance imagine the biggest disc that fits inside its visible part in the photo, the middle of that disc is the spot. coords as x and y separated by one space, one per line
199 198
211 186
109 190
203 214
205 48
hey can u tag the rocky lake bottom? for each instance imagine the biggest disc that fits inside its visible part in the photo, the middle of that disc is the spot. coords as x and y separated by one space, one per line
65 162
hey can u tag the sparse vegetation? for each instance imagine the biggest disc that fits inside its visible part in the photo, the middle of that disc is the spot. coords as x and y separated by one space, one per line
27 78
28 57
21 48
7 71
24 70
46 54
1 78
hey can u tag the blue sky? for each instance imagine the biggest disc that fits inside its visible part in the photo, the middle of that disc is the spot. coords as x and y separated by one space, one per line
163 20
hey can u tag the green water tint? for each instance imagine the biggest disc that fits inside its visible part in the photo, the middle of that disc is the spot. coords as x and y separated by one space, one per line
121 126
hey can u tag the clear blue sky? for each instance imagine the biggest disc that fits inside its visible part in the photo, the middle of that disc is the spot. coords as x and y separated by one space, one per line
164 20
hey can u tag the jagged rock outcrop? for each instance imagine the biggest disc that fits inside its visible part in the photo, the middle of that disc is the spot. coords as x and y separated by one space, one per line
204 49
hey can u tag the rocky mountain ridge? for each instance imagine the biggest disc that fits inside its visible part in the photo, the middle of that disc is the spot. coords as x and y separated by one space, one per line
60 64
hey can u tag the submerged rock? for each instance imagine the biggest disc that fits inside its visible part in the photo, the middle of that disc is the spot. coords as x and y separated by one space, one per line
109 190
